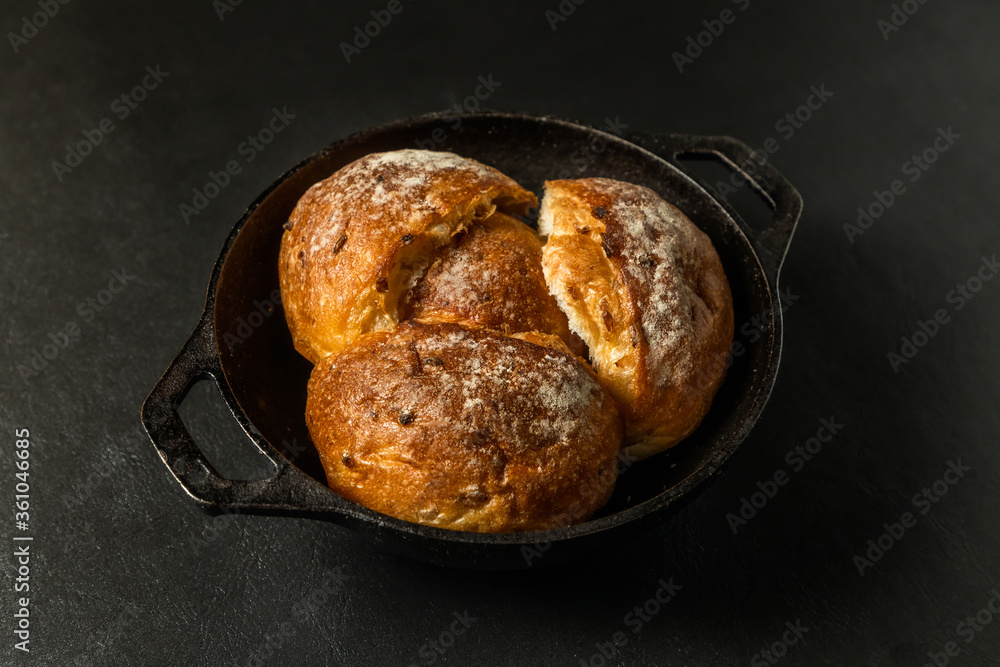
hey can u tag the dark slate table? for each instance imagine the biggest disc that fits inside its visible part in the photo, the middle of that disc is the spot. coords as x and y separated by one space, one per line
881 545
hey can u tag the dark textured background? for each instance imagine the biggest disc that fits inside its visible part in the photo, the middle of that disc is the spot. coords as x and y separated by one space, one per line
127 570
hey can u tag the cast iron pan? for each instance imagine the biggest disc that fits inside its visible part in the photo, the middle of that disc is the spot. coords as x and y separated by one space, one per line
263 379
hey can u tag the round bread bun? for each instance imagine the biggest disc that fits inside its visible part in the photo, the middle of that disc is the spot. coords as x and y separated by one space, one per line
491 277
464 428
357 241
644 287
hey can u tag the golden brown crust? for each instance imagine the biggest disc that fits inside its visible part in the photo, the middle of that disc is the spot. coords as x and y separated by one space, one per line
646 290
356 240
463 428
491 277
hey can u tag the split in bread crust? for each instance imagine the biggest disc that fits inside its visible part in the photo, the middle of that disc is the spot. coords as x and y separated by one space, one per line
645 288
447 389
357 241
491 276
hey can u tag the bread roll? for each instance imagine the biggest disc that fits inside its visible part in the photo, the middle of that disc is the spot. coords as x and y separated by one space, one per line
463 428
491 277
644 287
357 241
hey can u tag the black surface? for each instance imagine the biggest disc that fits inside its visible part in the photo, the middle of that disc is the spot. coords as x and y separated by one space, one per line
126 569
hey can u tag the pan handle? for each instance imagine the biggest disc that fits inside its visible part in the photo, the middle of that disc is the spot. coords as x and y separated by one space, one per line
784 200
289 488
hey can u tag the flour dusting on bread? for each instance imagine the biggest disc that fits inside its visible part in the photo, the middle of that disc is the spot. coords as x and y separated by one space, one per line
451 384
359 240
645 289
464 428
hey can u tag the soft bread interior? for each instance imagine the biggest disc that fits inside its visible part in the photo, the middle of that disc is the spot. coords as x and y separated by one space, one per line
412 260
583 281
629 271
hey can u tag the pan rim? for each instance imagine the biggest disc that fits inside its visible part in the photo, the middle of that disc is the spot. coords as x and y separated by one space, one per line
359 516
